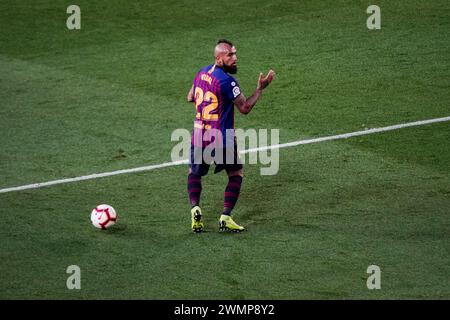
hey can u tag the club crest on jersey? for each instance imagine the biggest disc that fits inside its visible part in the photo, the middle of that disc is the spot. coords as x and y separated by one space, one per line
236 91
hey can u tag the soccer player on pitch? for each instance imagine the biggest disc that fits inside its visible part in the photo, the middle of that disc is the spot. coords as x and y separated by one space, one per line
214 93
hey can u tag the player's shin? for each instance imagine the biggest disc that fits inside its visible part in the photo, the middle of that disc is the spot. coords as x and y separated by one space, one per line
194 186
232 192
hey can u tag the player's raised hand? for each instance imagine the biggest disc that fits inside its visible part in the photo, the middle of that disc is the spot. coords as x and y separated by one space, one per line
264 81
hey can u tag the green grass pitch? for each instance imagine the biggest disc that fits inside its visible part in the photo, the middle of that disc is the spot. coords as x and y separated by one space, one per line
108 96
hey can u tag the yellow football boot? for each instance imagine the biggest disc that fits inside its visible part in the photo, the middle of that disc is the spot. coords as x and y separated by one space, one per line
197 223
228 224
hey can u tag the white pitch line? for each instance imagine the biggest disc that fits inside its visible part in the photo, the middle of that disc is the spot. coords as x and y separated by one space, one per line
349 135
176 163
93 176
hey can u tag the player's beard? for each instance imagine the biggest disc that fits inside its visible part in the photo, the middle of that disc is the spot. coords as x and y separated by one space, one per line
231 69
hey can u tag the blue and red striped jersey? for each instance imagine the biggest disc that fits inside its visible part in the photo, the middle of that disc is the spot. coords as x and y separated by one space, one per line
214 93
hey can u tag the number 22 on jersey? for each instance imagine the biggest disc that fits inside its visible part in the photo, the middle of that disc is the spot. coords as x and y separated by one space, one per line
209 97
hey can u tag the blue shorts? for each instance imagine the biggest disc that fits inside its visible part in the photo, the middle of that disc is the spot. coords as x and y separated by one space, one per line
225 158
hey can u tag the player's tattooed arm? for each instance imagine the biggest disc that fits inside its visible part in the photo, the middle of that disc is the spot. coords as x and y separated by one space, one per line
190 96
246 105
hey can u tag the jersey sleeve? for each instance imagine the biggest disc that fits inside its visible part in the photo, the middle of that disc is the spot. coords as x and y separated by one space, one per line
231 89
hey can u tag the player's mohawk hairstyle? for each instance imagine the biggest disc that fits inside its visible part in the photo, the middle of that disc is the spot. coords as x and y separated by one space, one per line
224 41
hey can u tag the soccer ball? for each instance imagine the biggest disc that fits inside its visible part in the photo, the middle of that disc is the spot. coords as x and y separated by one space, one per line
103 216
